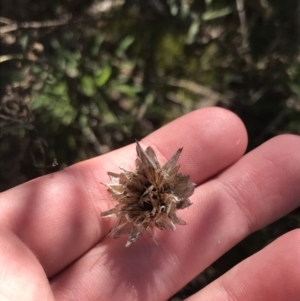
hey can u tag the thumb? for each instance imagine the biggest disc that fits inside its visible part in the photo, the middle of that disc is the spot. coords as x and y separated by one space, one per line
22 276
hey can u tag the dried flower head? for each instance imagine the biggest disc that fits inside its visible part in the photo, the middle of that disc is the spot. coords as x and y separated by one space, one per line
148 197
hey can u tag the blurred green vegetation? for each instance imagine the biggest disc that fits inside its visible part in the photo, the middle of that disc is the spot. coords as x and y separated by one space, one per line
79 78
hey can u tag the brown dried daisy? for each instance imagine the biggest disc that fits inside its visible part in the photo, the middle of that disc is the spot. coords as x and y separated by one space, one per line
148 197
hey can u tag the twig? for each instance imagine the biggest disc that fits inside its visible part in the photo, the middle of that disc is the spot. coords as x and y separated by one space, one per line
199 89
244 30
11 119
13 25
5 20
91 138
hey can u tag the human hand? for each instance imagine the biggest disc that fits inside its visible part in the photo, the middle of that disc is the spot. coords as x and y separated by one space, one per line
54 245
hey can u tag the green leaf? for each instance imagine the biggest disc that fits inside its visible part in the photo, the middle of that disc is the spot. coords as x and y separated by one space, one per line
124 45
295 87
24 42
127 89
215 14
88 86
103 75
193 30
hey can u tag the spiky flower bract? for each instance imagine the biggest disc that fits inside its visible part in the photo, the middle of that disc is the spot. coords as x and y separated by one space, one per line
148 197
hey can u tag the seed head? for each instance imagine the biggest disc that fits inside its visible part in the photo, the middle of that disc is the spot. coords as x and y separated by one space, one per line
148 197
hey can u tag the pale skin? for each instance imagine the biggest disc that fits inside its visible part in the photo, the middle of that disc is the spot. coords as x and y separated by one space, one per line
54 244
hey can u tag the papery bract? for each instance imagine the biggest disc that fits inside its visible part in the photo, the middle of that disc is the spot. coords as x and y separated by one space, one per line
148 197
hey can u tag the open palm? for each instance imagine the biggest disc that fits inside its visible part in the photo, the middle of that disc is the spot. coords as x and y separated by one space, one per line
54 244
